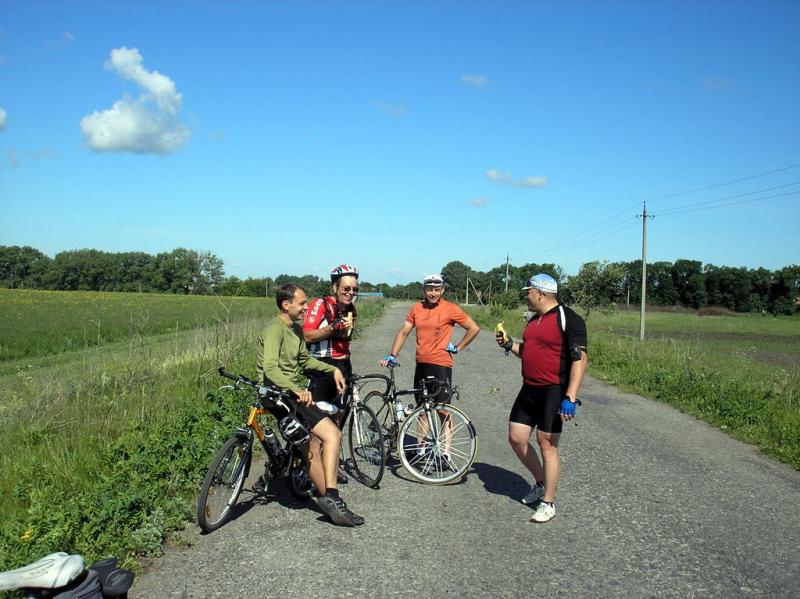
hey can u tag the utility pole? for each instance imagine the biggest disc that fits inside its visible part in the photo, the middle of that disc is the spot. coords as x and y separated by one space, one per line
644 216
507 258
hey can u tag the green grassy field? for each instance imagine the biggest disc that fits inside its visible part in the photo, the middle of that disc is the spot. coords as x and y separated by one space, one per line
42 323
739 372
104 447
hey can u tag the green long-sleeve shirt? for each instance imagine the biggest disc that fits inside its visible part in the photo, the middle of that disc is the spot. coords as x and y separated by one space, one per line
283 356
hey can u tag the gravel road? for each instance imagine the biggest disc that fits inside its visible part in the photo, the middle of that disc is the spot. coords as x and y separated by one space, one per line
652 503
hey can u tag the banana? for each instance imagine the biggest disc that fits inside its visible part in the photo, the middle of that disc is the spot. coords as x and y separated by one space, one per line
349 319
500 330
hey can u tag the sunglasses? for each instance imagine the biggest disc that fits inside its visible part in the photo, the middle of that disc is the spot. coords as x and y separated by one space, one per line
349 289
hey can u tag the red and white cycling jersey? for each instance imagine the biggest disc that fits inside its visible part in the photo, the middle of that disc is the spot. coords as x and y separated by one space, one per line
321 313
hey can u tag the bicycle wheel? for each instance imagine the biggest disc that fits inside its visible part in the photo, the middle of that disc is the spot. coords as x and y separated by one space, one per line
223 483
300 486
366 445
439 446
382 409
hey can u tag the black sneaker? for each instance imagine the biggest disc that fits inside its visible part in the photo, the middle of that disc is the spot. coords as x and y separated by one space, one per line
337 511
341 477
447 463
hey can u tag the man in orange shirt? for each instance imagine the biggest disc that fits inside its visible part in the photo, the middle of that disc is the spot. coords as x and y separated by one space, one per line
434 318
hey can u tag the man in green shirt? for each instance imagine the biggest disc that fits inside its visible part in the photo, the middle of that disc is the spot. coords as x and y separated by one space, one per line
282 361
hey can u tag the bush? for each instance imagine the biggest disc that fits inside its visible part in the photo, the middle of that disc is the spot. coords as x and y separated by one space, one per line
508 300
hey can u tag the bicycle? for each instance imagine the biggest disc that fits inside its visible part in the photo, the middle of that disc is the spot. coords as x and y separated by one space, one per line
435 442
365 441
231 465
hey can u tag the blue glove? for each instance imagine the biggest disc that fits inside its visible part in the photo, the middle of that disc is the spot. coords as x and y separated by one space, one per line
568 407
451 348
390 358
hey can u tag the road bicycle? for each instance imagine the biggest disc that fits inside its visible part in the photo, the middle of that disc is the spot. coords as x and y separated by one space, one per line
231 465
364 439
436 442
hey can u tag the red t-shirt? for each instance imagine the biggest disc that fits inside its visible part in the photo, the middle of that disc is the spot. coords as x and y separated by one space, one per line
544 348
322 312
434 326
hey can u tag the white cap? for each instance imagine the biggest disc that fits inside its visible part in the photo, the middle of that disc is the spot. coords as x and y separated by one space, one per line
433 280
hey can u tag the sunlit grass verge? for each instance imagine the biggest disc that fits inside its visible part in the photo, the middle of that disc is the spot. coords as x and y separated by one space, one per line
41 323
717 372
107 460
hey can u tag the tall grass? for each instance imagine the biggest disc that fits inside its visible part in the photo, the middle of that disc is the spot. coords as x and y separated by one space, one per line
41 323
740 373
103 450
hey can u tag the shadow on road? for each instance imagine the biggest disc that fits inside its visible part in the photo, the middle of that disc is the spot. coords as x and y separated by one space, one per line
500 481
277 491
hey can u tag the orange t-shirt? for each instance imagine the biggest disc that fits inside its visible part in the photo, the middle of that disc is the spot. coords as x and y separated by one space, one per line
434 326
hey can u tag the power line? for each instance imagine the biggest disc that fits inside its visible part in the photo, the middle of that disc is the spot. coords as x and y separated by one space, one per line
738 195
779 195
681 193
620 228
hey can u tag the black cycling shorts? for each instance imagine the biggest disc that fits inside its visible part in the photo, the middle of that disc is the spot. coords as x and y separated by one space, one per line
324 388
538 407
442 373
310 416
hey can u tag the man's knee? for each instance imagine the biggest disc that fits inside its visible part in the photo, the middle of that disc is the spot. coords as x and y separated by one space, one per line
548 443
327 432
518 436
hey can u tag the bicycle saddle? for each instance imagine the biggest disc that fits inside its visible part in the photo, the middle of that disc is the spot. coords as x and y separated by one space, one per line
52 571
86 586
113 580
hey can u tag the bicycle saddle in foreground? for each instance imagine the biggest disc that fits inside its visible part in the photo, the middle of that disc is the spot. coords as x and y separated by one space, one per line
52 571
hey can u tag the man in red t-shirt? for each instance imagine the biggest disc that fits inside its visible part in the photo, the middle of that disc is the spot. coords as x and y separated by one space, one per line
327 328
554 360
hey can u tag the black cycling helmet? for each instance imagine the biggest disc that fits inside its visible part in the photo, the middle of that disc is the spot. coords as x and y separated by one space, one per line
343 270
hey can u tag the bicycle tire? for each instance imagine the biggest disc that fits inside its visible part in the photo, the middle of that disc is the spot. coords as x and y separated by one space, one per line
431 455
223 483
300 486
367 450
383 413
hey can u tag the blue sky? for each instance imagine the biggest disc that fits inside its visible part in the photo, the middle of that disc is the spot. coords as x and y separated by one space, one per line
288 137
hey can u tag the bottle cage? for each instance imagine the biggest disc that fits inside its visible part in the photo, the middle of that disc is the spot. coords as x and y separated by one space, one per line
294 431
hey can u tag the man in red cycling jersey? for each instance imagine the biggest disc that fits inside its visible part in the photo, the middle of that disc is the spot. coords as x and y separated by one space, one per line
554 360
327 329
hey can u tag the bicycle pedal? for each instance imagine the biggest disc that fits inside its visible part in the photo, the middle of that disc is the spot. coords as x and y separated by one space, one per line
260 486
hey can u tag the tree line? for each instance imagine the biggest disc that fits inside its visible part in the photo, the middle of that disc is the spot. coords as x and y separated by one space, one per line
687 283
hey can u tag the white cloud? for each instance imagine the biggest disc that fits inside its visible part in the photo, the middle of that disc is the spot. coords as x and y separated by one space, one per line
507 179
475 80
396 110
2 119
13 158
721 85
148 124
68 36
478 202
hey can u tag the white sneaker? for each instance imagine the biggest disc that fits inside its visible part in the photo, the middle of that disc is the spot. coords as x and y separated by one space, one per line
534 495
544 512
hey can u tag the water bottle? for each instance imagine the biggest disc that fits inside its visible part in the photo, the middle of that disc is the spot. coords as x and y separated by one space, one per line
272 442
399 410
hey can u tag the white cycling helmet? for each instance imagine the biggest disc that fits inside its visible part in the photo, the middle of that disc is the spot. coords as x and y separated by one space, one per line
343 270
434 280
